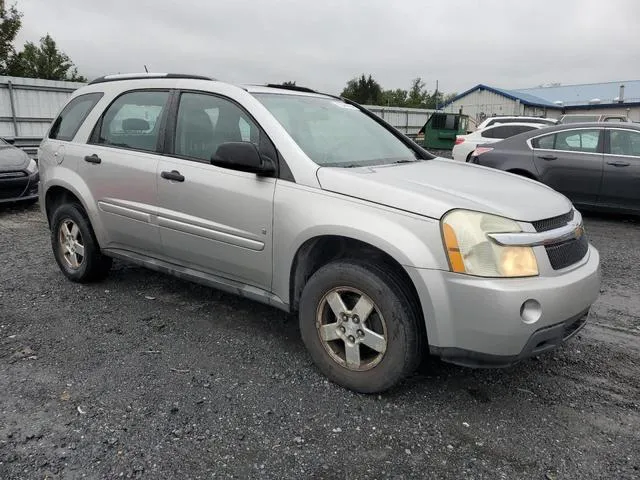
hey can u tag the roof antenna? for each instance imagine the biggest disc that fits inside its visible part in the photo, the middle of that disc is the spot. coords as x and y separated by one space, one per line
145 69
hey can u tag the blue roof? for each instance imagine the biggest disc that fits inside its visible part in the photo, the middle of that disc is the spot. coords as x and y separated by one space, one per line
569 95
576 95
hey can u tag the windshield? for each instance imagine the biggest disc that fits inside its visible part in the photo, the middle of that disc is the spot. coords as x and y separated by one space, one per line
335 134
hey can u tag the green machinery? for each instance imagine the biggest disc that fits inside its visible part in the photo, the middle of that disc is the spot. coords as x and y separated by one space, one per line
440 131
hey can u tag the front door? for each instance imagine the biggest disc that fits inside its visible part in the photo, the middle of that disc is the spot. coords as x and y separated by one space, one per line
621 181
214 219
119 166
570 162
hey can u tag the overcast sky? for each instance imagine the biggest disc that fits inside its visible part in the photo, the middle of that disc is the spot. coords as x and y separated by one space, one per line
324 43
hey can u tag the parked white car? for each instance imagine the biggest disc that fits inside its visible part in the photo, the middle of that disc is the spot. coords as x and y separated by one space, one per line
466 144
495 120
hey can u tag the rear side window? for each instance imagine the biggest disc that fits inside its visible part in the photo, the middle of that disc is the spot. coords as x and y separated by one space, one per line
133 121
501 131
518 129
73 114
545 142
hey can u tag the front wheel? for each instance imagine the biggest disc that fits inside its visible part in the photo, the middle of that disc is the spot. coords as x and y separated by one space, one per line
359 325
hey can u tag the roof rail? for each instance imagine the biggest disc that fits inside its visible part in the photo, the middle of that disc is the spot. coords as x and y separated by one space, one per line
139 76
294 88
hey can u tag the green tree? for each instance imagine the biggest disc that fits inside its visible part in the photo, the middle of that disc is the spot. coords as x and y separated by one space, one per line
395 98
44 61
364 90
10 23
418 95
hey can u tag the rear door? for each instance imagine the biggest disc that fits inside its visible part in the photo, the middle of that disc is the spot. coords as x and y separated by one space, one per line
621 180
571 162
119 166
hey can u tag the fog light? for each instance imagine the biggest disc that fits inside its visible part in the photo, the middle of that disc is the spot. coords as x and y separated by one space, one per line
530 311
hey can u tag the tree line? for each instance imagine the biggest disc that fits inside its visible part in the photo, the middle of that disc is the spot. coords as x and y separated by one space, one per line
44 60
365 90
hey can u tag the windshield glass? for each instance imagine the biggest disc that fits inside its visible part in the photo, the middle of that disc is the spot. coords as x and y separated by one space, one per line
579 118
335 134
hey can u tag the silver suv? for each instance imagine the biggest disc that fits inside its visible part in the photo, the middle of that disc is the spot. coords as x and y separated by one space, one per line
314 205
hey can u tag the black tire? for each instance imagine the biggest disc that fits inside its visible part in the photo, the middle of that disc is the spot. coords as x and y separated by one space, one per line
404 336
94 266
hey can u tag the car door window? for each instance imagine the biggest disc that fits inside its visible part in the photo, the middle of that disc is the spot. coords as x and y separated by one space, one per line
501 131
518 129
547 142
577 140
205 122
625 142
73 114
133 121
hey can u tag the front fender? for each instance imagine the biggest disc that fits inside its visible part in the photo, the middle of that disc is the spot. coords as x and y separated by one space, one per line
303 213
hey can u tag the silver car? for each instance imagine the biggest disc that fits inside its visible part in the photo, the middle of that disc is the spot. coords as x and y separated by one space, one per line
312 204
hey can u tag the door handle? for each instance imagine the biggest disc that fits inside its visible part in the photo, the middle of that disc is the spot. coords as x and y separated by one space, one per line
173 175
618 163
92 158
548 157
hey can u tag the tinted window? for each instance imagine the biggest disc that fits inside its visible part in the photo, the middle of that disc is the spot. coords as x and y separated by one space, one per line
577 140
544 142
205 122
518 129
73 114
625 142
501 131
133 120
488 133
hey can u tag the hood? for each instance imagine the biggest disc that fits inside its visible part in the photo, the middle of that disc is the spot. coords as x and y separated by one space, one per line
12 158
433 187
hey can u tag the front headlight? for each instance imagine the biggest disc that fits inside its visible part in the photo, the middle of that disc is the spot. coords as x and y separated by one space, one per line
32 167
471 251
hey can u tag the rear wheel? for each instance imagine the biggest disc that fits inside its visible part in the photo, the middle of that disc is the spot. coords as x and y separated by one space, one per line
74 245
359 326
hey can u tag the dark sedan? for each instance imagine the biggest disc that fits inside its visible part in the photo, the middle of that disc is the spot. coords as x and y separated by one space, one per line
595 165
19 176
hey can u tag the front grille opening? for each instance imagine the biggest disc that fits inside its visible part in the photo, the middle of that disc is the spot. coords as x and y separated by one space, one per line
565 254
552 223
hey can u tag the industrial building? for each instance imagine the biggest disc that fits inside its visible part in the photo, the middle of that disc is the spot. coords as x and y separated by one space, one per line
482 101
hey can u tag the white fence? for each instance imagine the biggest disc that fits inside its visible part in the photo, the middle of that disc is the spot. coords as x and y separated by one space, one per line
407 120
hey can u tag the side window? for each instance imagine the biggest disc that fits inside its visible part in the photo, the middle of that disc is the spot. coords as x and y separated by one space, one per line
205 122
488 133
547 142
133 120
577 140
501 131
625 142
73 114
518 129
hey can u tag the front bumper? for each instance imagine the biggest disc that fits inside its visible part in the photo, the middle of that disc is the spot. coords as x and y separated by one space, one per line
19 189
480 322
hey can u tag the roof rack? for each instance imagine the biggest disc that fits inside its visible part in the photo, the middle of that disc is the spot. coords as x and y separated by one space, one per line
294 88
139 76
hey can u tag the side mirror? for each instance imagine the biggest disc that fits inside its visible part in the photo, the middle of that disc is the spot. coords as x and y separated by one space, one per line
244 157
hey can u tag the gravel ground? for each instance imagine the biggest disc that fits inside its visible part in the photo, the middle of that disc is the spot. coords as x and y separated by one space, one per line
146 376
